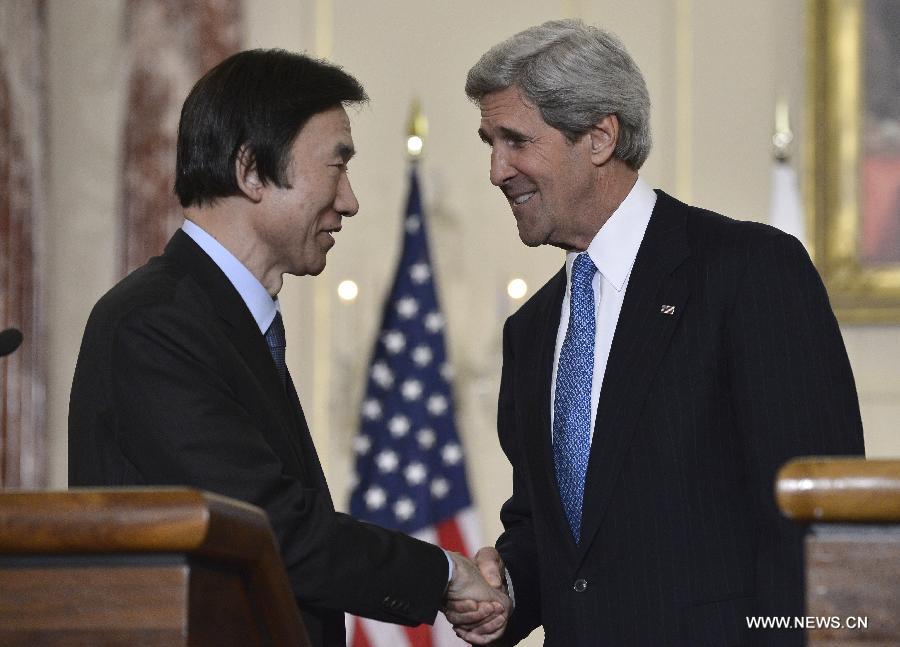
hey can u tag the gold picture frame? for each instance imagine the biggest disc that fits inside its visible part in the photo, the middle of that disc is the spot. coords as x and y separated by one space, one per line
859 262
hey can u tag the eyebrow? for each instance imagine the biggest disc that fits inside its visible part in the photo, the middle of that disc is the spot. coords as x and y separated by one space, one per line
505 133
344 151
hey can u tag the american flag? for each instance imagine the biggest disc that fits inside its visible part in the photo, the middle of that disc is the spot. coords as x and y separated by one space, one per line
410 471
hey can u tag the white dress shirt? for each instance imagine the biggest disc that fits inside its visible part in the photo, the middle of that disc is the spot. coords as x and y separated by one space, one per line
260 303
613 251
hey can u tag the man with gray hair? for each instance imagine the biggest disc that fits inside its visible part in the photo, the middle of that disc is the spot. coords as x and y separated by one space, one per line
652 388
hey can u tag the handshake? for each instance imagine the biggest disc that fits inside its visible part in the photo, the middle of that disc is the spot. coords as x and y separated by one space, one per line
477 603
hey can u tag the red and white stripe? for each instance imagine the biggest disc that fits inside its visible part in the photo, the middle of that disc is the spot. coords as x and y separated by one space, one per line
460 534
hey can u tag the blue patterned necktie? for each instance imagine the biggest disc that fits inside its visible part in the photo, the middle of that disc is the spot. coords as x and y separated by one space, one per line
572 401
277 344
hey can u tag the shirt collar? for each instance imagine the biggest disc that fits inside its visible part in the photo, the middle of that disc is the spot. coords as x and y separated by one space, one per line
261 305
615 246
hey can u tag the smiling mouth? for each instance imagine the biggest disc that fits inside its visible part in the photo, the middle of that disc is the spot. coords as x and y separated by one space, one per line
520 199
331 232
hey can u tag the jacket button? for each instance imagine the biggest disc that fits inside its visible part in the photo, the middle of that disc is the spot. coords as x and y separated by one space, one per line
580 586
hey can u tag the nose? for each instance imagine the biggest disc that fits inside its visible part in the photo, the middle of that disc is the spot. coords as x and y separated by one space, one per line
345 202
501 169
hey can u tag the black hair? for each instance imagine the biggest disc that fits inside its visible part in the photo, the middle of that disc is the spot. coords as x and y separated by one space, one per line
259 99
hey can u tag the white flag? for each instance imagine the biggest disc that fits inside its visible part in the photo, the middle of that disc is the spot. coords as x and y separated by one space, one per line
785 210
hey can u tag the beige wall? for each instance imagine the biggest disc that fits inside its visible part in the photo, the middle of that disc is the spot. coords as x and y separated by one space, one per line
86 99
714 69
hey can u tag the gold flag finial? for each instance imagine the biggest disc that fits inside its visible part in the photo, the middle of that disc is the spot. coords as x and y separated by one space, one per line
417 131
781 140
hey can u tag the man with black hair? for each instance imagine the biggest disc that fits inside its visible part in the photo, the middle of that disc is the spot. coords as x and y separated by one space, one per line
181 378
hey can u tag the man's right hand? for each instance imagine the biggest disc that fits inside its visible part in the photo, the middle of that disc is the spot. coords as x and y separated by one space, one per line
477 610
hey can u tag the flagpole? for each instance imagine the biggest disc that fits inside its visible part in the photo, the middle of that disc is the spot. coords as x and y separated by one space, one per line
785 209
416 132
783 136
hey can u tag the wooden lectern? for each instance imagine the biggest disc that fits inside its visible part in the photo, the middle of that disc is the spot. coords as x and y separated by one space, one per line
141 567
852 549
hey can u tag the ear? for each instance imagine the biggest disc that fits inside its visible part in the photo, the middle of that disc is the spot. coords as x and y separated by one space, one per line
247 176
604 135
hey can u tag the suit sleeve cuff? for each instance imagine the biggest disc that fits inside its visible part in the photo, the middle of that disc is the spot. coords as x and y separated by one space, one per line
510 591
450 568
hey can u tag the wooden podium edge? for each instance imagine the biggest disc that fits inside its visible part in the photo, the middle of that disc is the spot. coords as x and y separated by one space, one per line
157 520
839 489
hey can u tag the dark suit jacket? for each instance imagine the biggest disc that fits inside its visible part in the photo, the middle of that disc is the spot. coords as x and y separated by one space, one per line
681 537
175 386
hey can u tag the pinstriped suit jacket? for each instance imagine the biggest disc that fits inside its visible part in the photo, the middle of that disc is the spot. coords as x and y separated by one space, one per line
681 537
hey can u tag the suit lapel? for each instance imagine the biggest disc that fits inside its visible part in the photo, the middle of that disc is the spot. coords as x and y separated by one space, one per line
642 336
242 331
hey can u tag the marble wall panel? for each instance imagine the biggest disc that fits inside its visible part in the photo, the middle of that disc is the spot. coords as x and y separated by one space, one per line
22 190
169 45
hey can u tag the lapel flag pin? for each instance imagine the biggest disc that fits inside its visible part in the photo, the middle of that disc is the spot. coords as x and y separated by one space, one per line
667 310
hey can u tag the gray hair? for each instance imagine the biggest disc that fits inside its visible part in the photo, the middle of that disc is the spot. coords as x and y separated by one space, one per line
575 74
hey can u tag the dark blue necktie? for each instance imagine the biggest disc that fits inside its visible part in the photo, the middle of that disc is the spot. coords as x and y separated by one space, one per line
572 401
277 345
